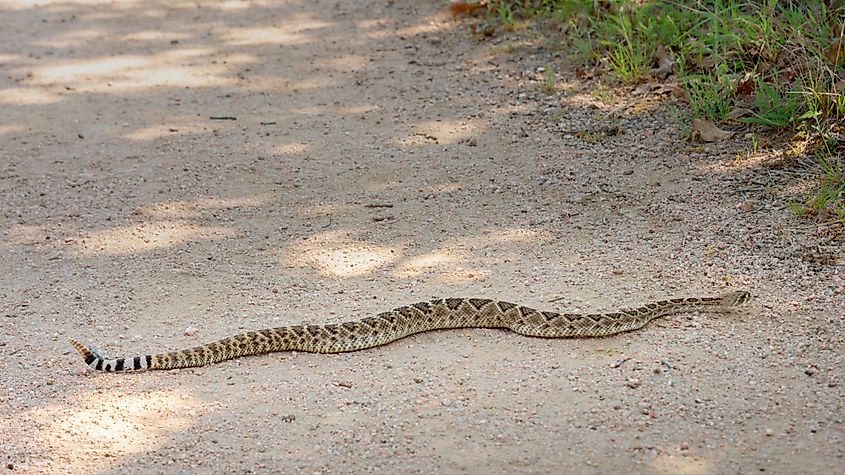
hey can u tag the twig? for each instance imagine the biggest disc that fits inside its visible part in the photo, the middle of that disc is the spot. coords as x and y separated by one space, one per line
222 117
426 136
619 363
379 205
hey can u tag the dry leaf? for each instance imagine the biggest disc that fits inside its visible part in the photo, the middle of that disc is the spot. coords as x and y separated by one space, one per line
746 206
708 131
762 68
785 76
707 63
580 73
665 63
670 89
836 53
459 8
738 112
643 89
745 87
836 27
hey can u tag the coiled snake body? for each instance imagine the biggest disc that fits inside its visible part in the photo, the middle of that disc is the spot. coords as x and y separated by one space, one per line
403 321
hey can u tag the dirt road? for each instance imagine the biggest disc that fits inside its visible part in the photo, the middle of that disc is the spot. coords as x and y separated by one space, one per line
175 172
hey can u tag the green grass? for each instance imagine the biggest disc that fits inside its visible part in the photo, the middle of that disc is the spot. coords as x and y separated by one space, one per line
549 83
710 95
602 93
770 65
827 203
773 109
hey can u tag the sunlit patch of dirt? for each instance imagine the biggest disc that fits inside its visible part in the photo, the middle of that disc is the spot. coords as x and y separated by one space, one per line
336 254
96 430
144 237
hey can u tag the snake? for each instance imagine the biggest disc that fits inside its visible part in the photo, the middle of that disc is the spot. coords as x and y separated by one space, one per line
386 327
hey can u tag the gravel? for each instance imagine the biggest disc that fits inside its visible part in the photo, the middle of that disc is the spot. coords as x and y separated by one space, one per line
133 221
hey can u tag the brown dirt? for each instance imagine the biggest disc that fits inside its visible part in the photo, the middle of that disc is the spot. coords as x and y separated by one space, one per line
129 216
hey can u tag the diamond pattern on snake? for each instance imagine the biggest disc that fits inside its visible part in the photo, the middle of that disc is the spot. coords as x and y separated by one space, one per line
439 314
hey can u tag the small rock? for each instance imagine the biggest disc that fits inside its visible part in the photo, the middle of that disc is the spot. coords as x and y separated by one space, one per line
769 432
633 383
685 446
418 380
191 331
746 206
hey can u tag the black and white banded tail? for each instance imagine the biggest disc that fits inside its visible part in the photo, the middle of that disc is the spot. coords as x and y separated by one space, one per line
96 360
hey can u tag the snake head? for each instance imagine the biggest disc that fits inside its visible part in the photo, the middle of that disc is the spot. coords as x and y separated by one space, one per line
735 299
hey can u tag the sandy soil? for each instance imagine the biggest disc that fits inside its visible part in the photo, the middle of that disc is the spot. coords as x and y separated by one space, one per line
379 156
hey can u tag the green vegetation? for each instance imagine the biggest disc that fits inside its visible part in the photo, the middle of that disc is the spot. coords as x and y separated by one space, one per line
776 66
549 83
828 202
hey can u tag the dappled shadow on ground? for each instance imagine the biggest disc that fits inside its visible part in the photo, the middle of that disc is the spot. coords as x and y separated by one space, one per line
239 165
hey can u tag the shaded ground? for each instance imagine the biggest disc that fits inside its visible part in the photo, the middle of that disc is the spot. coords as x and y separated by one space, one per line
380 156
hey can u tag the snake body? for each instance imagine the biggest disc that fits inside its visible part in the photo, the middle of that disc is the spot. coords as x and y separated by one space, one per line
410 319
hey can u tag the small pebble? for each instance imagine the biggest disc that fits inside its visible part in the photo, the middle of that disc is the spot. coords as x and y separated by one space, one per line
746 206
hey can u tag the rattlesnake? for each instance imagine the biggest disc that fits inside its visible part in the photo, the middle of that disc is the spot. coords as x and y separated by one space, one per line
403 321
